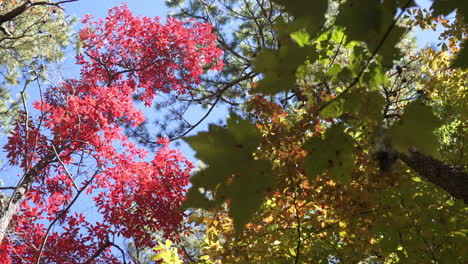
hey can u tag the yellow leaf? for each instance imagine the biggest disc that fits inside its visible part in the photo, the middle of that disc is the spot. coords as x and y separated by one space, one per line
268 219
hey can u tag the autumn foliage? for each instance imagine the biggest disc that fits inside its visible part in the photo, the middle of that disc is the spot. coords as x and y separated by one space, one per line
75 146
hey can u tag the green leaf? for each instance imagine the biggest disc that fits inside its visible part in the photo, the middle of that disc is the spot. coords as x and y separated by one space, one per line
302 38
375 77
461 59
389 50
368 21
415 129
309 14
345 75
445 7
233 174
333 109
360 18
333 153
367 106
280 66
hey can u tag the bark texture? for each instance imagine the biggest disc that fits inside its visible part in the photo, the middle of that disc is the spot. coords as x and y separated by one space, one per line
450 178
7 212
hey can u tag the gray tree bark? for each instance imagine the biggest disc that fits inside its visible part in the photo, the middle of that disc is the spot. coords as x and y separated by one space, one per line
7 212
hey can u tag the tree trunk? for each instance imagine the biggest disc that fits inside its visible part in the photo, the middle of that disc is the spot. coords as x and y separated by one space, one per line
450 178
18 195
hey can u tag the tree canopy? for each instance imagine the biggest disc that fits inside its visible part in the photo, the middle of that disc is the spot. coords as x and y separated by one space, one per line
345 142
348 134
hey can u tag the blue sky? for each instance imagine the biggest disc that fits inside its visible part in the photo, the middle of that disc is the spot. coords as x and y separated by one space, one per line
98 8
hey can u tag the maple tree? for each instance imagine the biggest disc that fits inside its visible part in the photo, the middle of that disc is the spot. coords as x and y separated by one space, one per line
72 144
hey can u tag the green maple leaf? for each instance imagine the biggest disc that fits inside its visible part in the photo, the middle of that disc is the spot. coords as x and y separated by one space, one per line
233 174
445 7
334 153
362 19
416 129
369 21
305 8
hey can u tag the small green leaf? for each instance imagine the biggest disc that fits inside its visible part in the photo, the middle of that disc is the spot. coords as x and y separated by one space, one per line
345 75
333 110
365 105
375 77
416 179
280 66
292 251
302 38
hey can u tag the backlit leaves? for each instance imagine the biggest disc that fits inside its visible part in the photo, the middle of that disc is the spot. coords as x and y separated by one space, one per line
373 22
333 153
444 8
233 173
280 66
347 209
416 129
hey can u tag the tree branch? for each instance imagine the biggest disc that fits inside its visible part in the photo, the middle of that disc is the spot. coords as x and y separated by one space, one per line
98 252
220 94
22 8
62 213
20 191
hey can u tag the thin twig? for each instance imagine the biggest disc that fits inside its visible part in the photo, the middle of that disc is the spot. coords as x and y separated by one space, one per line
62 213
374 53
64 167
121 251
220 93
98 252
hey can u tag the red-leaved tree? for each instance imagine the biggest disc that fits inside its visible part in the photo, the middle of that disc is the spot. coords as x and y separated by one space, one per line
74 147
